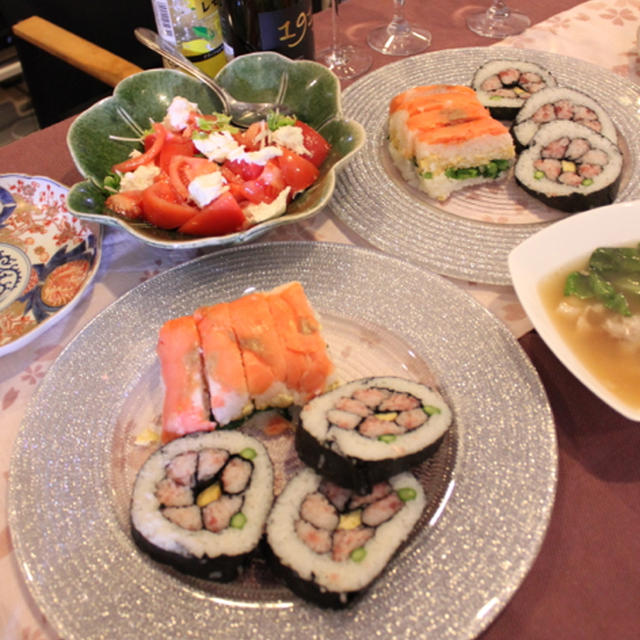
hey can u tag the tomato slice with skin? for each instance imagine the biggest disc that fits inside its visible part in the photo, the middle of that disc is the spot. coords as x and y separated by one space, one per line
266 187
315 143
297 172
126 203
246 170
130 164
234 182
163 207
250 137
218 218
184 169
174 146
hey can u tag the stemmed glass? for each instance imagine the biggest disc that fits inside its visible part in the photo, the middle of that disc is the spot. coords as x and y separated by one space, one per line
498 21
399 38
346 61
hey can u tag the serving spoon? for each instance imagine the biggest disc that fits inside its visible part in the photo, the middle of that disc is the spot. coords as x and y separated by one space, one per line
242 113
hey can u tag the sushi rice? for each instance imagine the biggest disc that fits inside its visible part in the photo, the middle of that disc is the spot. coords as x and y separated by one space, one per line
198 551
557 103
588 184
335 582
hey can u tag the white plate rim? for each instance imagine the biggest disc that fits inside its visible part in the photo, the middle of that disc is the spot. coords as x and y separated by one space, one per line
559 246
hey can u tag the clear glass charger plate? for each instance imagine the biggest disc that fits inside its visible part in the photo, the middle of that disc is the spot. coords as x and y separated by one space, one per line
491 486
469 236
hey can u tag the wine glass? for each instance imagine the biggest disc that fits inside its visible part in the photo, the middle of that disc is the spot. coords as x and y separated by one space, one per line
399 38
498 21
346 61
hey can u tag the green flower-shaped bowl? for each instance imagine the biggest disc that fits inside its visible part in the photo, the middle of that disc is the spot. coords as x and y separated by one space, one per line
313 94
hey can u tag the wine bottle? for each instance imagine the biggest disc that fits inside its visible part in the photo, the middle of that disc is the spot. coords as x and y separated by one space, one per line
284 26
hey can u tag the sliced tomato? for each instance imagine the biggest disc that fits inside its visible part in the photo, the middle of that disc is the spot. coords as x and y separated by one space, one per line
184 169
130 164
271 178
253 191
246 170
234 182
315 143
250 137
126 203
222 216
297 172
174 146
163 206
266 187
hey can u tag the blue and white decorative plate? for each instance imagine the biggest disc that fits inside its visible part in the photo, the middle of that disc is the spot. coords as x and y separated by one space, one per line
47 257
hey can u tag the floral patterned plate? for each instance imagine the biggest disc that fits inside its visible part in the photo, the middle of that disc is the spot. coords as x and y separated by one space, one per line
47 257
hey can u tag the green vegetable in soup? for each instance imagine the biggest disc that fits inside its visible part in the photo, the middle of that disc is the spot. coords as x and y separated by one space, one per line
612 278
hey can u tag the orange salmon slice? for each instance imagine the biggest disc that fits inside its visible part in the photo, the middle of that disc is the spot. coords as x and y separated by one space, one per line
429 97
223 368
260 347
302 336
186 406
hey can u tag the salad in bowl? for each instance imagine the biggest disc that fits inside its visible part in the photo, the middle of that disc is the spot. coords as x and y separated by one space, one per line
162 161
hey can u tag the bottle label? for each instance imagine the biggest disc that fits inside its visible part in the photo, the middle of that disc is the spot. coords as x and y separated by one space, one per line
288 31
194 26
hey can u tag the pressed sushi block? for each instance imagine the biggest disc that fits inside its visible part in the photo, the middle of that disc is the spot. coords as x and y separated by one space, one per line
200 503
330 543
443 139
370 429
262 350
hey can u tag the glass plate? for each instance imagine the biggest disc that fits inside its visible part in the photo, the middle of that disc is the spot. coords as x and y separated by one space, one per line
491 486
470 235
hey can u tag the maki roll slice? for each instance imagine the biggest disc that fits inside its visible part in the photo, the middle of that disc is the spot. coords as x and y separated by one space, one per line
503 86
370 429
200 503
553 103
329 543
570 167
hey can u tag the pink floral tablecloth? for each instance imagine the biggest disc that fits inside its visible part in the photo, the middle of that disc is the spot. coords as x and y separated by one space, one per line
599 31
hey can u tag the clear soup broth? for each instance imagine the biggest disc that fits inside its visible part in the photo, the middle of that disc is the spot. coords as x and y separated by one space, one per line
614 361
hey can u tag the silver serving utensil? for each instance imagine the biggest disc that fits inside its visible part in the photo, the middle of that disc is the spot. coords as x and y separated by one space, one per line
242 113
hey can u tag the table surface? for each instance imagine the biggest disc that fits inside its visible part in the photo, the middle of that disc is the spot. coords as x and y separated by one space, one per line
584 583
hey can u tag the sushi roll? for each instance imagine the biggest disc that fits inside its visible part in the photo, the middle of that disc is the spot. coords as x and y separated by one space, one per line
555 103
570 167
503 86
442 139
200 503
329 543
370 429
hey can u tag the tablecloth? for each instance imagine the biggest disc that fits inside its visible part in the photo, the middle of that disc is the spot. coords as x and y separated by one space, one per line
584 583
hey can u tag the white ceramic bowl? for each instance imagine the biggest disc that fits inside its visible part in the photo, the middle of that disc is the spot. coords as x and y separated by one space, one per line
555 248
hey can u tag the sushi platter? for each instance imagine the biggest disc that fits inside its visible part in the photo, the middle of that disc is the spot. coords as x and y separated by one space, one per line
488 490
469 235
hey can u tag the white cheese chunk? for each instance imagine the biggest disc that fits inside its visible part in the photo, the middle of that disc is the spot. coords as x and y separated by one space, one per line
141 178
261 156
259 212
178 113
292 138
217 146
206 188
